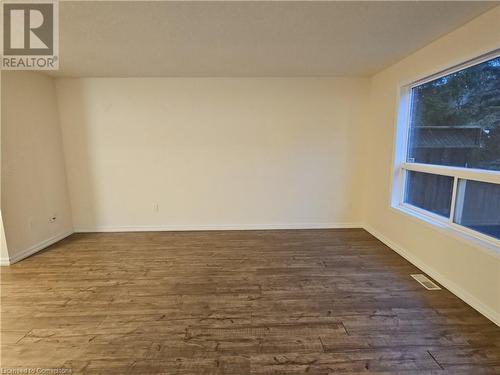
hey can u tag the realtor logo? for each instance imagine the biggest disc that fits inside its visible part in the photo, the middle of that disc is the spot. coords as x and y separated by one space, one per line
30 35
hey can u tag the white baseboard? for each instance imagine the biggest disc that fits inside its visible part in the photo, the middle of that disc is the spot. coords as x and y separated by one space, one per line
4 262
441 279
164 228
33 249
42 245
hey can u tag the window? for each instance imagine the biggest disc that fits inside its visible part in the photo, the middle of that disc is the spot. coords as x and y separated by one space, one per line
448 150
431 192
478 206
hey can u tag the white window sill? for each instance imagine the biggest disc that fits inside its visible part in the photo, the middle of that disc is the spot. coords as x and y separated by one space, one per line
488 244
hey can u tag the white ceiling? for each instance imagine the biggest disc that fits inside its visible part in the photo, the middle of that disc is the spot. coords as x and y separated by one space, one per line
123 39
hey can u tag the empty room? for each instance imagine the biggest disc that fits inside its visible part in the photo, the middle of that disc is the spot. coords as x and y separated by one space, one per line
250 187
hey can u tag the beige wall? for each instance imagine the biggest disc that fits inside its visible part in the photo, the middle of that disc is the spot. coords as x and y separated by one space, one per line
211 152
467 269
33 185
4 255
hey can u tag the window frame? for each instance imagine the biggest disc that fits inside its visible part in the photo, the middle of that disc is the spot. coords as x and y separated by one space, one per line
401 165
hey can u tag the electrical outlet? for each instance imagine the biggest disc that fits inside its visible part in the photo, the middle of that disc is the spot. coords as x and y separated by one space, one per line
156 207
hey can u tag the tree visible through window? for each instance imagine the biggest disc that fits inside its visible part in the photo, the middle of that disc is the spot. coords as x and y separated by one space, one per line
454 121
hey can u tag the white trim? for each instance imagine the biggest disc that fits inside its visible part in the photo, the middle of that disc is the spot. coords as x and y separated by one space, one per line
400 146
481 175
454 200
487 244
408 208
33 249
454 288
455 68
187 227
449 221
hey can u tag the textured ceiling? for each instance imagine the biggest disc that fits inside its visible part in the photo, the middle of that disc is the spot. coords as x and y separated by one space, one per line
124 39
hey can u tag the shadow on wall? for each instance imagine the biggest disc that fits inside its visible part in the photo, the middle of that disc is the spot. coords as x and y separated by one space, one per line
35 204
80 160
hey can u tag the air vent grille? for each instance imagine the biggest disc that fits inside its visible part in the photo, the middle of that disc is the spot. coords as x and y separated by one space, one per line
425 282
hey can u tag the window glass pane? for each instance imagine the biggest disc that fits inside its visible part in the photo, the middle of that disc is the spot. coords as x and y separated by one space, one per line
431 192
455 119
478 207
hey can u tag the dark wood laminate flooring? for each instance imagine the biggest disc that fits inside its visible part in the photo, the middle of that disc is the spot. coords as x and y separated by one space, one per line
235 302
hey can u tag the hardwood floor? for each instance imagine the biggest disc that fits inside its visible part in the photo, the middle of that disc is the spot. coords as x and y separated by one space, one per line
235 302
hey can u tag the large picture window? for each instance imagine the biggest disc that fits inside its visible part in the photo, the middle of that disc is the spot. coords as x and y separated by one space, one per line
448 151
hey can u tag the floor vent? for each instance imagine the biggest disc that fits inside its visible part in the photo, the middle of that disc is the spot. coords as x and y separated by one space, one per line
425 282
